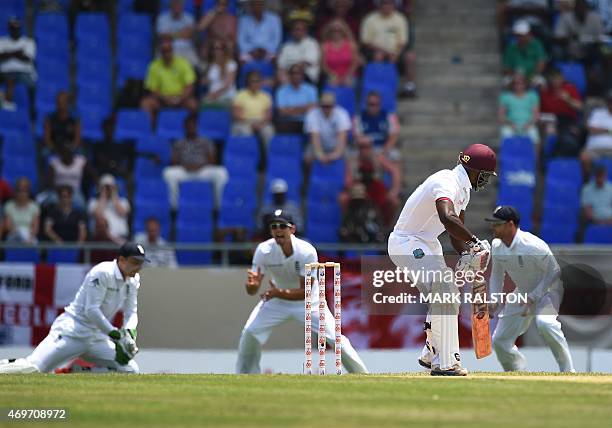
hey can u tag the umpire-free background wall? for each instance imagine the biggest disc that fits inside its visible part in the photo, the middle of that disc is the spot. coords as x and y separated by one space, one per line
201 309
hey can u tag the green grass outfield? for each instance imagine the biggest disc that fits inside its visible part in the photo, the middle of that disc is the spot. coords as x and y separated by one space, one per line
487 399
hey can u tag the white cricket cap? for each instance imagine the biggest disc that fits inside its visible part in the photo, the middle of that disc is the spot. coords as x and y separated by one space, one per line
278 185
521 28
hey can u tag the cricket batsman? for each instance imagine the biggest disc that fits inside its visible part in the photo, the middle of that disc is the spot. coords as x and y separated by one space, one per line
439 204
283 257
533 269
84 329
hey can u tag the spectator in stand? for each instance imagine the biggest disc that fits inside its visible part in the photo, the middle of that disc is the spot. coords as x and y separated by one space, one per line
68 169
526 55
300 49
21 214
327 127
293 100
596 198
169 82
110 157
519 111
65 223
604 8
151 240
252 110
364 166
194 158
379 128
6 192
219 76
179 26
219 24
278 189
17 53
599 140
509 11
101 234
62 128
560 106
361 222
110 211
579 32
340 10
385 37
340 57
259 33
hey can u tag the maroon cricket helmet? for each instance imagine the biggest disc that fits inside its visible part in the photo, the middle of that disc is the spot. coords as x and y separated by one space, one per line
479 157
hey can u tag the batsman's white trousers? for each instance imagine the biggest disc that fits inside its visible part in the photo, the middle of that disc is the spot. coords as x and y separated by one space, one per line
57 349
513 324
267 315
442 343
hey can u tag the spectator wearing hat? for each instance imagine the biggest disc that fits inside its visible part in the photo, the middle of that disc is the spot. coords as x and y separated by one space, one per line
599 140
327 127
65 223
17 53
260 33
110 211
596 198
278 190
179 26
361 222
384 35
300 49
151 240
252 110
526 55
293 100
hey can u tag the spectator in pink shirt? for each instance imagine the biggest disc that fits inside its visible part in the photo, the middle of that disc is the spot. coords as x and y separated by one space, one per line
340 55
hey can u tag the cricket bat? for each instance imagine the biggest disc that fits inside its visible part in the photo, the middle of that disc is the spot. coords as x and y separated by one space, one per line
481 334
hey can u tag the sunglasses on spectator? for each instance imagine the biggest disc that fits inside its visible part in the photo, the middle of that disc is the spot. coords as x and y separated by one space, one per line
281 226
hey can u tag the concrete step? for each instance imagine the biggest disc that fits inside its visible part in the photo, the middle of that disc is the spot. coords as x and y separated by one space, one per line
434 58
467 20
456 119
464 68
429 33
413 146
461 80
479 131
445 107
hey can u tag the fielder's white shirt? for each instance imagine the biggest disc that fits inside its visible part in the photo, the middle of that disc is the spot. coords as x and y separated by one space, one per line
529 263
103 293
14 65
419 216
284 271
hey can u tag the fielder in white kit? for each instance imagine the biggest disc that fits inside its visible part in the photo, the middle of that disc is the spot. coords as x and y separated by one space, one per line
533 269
84 329
284 257
439 204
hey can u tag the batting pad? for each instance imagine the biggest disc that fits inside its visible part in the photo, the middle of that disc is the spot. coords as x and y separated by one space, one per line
445 328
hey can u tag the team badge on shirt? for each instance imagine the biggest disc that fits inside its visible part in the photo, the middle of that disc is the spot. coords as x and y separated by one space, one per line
418 253
297 267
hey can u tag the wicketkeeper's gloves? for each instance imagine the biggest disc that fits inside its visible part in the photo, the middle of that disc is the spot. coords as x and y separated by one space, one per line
125 345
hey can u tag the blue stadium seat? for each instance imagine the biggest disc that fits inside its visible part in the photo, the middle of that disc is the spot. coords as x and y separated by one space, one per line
15 121
147 168
92 93
188 6
575 73
21 255
558 233
383 73
46 92
125 6
52 47
388 95
518 148
143 210
345 97
265 68
333 171
214 123
93 51
50 24
55 256
95 73
323 190
52 69
134 48
323 213
157 145
596 234
92 23
240 166
286 145
238 204
151 190
317 233
132 124
134 23
17 144
244 147
201 233
92 117
564 170
130 68
19 166
289 170
170 123
198 193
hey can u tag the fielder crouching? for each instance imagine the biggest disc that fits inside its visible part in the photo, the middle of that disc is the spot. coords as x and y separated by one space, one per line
84 330
284 257
533 269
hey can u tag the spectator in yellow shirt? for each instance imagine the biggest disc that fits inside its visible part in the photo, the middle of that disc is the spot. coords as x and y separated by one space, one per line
169 82
252 110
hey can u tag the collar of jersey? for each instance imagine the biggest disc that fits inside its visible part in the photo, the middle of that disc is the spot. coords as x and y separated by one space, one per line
118 274
517 238
462 177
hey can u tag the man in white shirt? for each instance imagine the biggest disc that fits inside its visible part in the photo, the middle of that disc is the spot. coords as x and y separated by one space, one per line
84 330
283 257
151 240
438 205
596 198
532 267
17 54
327 127
599 141
300 49
179 25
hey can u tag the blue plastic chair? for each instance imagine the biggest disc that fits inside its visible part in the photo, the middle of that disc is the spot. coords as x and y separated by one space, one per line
52 47
15 121
92 117
53 23
345 97
321 233
556 233
130 68
287 145
170 123
21 255
201 233
240 166
134 23
243 147
564 170
157 145
88 23
198 193
381 73
332 171
147 168
132 124
17 167
214 123
575 73
17 144
388 95
56 256
265 68
596 234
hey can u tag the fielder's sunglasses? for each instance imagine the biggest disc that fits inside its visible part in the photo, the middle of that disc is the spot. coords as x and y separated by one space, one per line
279 226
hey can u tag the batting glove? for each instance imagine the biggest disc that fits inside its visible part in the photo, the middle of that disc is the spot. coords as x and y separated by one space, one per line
476 258
125 345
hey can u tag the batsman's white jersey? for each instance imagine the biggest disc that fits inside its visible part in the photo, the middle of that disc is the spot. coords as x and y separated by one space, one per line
533 269
82 330
414 244
285 272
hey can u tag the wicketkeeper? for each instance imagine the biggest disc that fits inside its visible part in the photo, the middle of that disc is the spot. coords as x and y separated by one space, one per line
533 269
84 329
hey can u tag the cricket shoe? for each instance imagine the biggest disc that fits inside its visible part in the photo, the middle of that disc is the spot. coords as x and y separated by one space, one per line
456 370
424 363
73 368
